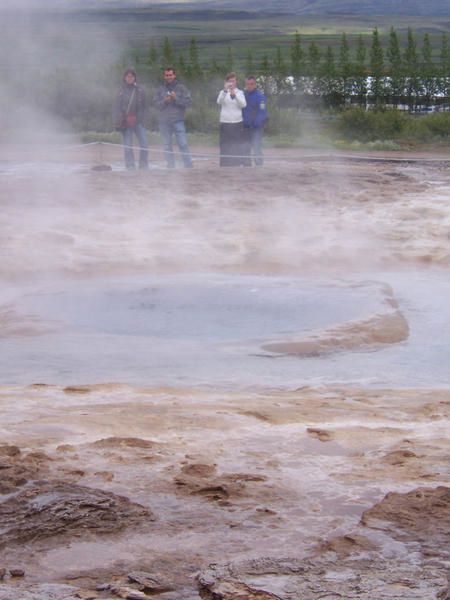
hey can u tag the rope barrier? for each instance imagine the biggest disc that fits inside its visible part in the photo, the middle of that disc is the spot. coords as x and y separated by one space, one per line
331 156
175 152
267 157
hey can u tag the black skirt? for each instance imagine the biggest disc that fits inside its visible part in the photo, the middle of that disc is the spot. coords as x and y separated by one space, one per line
233 145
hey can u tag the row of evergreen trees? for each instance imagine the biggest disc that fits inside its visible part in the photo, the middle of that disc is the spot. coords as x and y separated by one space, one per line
378 70
384 71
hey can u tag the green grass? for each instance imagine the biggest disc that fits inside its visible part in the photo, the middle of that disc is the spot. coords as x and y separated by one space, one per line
365 131
215 31
108 34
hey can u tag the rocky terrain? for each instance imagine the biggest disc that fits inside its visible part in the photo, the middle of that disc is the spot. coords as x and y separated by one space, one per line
233 491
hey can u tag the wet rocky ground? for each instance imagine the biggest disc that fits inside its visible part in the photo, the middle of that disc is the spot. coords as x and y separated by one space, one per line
234 495
239 490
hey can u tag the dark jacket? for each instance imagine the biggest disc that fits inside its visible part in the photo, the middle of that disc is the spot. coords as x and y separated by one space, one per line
255 113
138 106
172 111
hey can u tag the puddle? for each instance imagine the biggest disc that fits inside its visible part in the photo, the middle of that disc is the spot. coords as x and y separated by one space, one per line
203 309
209 329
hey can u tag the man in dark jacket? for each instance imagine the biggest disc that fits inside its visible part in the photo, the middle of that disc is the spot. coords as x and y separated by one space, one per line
255 116
129 116
171 99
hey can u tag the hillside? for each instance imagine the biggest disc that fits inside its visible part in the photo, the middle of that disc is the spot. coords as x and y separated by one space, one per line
356 7
439 8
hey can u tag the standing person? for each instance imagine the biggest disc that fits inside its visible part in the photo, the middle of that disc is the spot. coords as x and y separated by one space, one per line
171 99
129 116
232 143
255 117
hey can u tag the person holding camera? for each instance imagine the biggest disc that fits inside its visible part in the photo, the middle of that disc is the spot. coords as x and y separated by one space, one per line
129 116
171 99
232 142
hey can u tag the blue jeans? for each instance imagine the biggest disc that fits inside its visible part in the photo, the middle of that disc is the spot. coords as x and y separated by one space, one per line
141 134
167 129
256 136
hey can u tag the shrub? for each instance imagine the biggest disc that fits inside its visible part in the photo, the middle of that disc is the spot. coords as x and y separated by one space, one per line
365 126
355 124
203 118
426 128
388 145
284 121
438 123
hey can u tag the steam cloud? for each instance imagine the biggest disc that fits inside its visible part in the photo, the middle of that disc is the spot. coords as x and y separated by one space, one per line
53 66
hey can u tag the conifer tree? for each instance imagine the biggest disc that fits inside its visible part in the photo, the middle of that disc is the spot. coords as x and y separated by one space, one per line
279 70
297 56
428 71
444 71
279 63
249 64
314 57
167 56
265 65
360 70
330 89
396 82
345 68
152 59
313 68
265 71
411 62
194 70
181 65
215 69
377 69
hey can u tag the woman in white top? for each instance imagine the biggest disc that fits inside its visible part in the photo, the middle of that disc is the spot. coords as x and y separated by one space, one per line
232 142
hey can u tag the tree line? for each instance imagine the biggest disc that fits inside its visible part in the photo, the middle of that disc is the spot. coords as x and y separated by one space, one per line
389 71
372 71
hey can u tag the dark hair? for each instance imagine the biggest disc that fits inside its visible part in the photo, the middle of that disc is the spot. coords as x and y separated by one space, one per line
250 78
128 72
174 71
231 75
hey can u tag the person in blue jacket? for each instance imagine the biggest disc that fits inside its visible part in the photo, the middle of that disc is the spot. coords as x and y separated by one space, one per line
255 117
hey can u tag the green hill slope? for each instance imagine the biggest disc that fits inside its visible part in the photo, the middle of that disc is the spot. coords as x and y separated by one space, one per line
356 7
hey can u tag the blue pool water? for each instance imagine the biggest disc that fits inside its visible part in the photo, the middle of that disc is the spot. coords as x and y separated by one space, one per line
209 329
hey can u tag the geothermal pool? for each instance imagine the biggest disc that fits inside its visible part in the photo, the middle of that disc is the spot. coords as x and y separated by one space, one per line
195 292
194 329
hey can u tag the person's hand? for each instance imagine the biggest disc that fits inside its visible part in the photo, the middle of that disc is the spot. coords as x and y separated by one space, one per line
170 97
